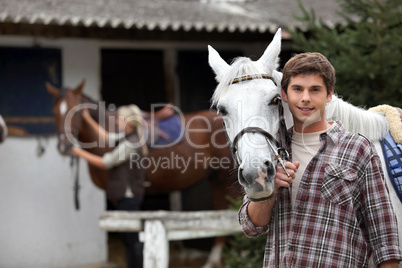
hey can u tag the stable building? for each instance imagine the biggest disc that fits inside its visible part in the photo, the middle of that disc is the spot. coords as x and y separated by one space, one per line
129 52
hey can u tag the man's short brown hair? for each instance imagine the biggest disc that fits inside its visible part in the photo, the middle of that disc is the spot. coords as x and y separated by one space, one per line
306 64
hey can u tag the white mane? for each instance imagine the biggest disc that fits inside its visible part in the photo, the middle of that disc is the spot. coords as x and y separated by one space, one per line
375 125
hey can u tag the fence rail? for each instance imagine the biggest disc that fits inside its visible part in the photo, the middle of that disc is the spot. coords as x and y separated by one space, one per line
157 228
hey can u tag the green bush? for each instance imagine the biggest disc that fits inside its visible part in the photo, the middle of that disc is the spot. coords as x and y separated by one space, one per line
241 251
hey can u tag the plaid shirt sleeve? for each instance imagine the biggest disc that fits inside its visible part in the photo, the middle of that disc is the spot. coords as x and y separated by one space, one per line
378 214
249 229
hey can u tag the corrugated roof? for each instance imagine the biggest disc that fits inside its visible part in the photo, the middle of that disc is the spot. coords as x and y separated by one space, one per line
177 15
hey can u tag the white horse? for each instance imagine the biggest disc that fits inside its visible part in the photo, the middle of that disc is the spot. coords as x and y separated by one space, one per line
253 104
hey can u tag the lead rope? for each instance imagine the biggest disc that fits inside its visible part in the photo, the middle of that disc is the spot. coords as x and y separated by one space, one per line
276 222
284 140
75 161
75 164
77 183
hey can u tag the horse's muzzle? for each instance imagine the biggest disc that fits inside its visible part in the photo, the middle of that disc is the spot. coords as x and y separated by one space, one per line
258 185
65 149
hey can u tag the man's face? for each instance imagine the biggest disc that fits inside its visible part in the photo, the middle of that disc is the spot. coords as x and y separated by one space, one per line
307 97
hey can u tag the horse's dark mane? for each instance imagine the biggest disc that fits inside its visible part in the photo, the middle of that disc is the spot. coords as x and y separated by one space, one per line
86 99
95 112
63 92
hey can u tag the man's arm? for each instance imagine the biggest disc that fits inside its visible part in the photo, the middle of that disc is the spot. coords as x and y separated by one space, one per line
389 264
378 214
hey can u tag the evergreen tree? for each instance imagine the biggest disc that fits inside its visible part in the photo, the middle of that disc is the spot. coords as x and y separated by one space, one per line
366 51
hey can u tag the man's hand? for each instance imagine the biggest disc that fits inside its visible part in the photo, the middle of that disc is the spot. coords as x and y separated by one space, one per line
281 178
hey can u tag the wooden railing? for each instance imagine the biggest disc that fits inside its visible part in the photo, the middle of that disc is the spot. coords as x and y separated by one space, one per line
157 228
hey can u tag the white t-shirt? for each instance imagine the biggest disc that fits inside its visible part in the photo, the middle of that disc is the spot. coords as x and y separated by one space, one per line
304 147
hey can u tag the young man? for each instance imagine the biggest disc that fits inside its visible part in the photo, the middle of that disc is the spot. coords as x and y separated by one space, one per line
334 209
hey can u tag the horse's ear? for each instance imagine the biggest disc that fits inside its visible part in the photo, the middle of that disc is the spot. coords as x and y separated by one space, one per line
79 88
52 90
270 58
277 77
217 64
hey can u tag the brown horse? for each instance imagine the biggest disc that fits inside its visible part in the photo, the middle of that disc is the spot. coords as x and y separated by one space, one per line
3 130
203 150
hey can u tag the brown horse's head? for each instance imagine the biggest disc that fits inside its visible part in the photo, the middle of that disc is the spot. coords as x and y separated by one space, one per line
3 130
67 111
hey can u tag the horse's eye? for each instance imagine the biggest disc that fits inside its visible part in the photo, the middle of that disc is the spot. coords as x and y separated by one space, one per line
275 101
222 110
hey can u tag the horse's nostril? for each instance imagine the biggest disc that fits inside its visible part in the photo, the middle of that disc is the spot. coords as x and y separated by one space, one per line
270 167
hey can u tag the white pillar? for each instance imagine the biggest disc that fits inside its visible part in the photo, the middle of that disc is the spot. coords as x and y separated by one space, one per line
156 245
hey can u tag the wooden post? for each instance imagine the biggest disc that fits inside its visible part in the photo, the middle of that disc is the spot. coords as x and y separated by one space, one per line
156 245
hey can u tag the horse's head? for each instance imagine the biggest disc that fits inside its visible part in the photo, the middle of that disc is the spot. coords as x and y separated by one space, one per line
67 112
3 130
248 97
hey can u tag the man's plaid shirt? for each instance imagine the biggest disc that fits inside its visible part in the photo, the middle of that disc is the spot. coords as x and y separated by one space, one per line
342 211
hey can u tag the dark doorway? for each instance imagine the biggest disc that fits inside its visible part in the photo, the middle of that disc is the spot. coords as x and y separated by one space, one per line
133 77
196 78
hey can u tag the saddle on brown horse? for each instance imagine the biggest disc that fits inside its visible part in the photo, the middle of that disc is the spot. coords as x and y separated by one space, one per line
164 127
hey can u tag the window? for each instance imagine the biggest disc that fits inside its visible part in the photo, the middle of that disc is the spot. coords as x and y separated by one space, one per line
25 104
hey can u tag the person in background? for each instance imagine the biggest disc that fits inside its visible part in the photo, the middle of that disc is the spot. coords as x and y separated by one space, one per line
125 188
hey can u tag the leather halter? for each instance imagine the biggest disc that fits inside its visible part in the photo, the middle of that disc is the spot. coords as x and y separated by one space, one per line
74 161
281 152
253 130
252 77
76 126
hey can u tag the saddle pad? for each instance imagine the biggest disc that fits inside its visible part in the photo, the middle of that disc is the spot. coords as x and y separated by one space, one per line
393 160
172 128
